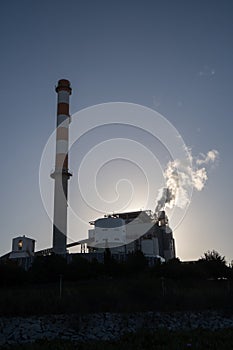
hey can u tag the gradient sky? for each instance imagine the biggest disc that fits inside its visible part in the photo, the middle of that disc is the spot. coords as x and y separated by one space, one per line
172 56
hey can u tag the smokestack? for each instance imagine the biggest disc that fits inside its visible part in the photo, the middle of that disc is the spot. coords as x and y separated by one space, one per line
61 174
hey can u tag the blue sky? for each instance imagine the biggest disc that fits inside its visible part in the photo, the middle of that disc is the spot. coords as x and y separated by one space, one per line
172 56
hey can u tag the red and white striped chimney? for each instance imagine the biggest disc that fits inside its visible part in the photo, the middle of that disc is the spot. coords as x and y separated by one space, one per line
61 174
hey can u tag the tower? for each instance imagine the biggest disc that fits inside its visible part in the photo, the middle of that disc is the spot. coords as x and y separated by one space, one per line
61 174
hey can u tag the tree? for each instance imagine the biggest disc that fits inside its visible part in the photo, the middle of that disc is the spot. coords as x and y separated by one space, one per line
12 274
136 262
48 268
213 264
79 269
213 255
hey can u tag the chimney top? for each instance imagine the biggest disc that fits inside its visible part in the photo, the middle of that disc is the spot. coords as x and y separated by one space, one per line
63 84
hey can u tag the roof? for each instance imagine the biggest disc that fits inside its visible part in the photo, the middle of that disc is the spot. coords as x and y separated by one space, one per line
24 237
145 216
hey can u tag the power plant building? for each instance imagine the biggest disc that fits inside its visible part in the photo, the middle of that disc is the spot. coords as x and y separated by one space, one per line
122 233
125 233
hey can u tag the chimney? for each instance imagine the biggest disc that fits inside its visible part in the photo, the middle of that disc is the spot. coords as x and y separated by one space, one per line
61 174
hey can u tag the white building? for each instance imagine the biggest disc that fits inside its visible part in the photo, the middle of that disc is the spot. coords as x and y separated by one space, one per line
125 233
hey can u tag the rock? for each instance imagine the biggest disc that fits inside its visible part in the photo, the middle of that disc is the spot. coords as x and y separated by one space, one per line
103 326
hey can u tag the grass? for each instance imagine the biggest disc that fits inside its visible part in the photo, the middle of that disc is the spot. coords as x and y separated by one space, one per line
160 340
119 295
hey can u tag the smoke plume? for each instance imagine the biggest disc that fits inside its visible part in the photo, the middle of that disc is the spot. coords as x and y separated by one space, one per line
181 178
211 156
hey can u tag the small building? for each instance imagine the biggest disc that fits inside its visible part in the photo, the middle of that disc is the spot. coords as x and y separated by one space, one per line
23 250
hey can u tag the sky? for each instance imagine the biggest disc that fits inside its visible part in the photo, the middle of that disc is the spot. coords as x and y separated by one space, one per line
174 57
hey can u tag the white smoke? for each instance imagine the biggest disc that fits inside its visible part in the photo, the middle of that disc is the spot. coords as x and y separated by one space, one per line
211 156
180 178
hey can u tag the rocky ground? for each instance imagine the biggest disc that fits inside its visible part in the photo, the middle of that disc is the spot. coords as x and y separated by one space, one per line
104 326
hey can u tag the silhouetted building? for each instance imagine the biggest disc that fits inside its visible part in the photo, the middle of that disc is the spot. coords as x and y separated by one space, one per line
125 233
23 251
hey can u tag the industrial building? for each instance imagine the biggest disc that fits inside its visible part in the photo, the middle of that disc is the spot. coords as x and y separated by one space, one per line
122 233
125 233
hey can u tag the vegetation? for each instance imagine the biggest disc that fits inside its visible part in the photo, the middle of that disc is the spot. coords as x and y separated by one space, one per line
160 340
53 286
